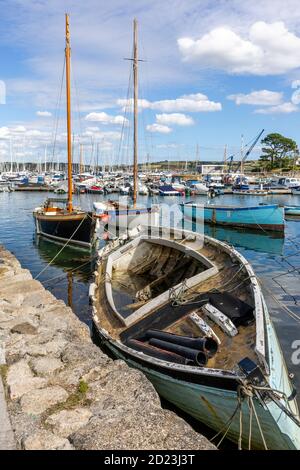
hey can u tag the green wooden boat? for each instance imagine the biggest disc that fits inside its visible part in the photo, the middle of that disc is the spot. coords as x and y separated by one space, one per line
161 297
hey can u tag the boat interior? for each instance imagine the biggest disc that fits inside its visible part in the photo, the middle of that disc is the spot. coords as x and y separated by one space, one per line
169 298
51 207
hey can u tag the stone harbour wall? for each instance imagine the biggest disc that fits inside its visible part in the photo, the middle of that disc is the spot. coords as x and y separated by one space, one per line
60 391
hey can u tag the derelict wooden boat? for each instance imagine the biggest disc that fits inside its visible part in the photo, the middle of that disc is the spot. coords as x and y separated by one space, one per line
264 217
188 311
68 224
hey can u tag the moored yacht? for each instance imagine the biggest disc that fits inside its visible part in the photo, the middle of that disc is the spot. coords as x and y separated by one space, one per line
66 223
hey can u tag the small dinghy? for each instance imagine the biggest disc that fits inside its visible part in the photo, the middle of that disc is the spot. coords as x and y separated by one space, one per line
263 216
188 311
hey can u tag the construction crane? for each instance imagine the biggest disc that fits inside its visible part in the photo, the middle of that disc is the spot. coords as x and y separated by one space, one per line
230 159
249 150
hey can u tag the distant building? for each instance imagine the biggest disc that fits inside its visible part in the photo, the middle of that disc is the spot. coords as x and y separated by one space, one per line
212 169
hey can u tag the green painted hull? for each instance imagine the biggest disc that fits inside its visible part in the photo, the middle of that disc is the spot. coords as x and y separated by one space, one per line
214 407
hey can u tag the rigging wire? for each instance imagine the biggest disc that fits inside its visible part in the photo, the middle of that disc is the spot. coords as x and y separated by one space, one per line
70 270
127 109
57 114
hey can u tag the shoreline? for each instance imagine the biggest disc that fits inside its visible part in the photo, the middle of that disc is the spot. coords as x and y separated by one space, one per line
61 391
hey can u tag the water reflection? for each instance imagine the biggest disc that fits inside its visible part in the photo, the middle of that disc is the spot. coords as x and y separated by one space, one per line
255 240
71 273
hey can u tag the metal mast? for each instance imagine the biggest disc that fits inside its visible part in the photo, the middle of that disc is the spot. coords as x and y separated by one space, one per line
135 111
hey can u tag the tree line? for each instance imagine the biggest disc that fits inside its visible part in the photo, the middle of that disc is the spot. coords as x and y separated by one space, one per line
278 152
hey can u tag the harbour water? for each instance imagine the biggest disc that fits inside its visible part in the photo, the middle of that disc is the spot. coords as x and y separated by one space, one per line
276 260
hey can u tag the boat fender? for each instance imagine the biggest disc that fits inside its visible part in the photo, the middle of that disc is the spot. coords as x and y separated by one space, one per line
220 319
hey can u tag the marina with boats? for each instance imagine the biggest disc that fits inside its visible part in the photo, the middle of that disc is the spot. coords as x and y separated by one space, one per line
176 274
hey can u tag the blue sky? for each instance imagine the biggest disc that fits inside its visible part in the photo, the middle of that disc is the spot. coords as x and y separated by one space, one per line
214 70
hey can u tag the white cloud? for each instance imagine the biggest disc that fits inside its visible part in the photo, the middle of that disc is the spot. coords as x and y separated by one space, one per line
43 113
186 103
105 118
18 130
295 84
96 134
4 132
127 105
159 128
284 108
175 119
270 48
191 103
12 132
261 98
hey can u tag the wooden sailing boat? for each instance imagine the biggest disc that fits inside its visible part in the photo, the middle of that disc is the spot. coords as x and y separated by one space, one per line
118 215
67 223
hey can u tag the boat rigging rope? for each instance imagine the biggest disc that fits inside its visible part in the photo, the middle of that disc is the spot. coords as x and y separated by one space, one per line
59 252
57 113
127 109
226 427
250 423
176 295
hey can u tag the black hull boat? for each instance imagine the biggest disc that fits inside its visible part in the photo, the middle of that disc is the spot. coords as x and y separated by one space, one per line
66 224
76 228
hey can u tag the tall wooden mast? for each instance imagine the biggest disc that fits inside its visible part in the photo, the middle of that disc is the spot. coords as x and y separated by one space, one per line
69 131
135 111
81 164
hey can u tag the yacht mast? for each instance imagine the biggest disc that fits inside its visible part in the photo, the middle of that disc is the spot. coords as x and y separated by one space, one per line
81 165
135 110
68 93
11 155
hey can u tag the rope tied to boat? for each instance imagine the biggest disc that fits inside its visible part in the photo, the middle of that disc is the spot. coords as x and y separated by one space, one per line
245 391
177 295
248 391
